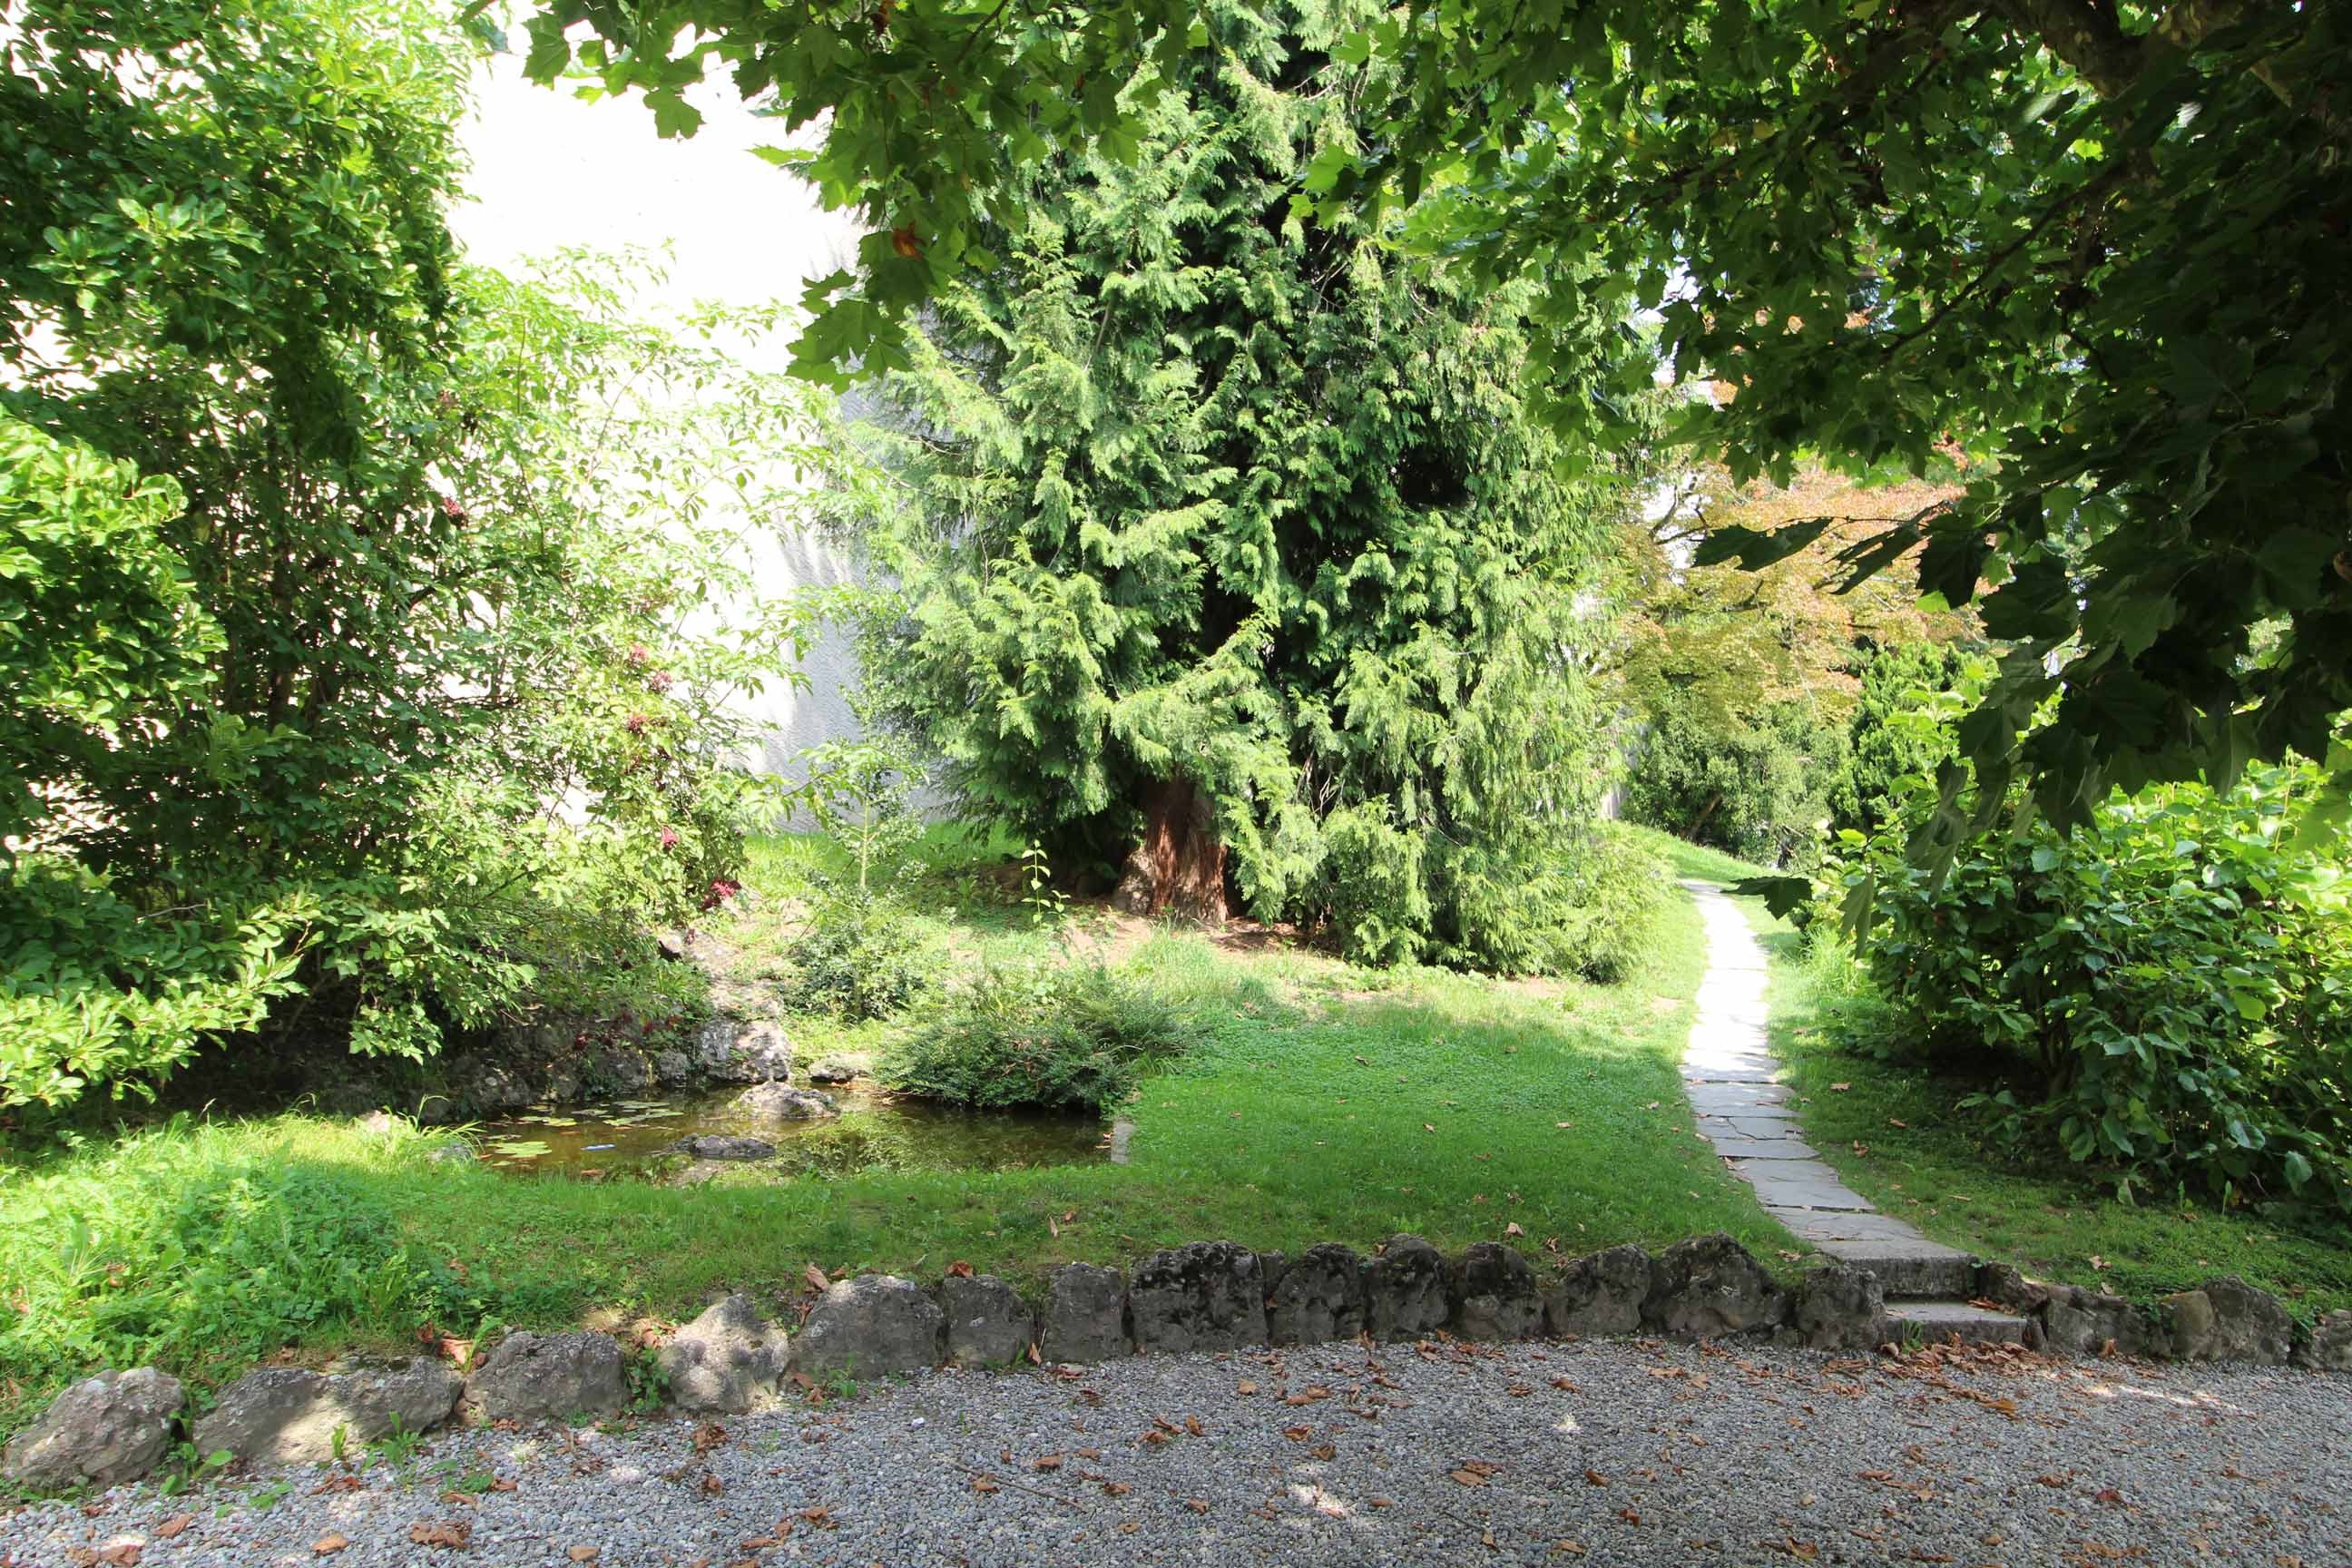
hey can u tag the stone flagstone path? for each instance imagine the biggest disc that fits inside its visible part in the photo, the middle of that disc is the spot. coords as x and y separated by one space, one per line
1730 1074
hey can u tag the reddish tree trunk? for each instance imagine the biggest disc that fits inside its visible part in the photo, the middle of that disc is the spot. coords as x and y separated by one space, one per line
1180 866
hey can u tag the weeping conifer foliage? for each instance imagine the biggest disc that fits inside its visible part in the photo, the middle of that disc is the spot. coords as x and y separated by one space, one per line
1232 561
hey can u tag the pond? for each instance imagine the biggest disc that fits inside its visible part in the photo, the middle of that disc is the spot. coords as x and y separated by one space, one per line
874 1131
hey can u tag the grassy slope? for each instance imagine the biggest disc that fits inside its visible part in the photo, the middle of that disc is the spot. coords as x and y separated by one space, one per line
2054 1220
1330 1104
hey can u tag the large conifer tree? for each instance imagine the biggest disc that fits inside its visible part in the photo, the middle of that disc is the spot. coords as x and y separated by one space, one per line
1232 559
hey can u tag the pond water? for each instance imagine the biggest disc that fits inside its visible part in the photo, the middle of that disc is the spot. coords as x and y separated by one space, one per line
874 1131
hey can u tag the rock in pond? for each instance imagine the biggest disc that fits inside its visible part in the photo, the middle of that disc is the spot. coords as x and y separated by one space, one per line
289 1416
112 1427
549 1377
724 1146
831 1069
781 1103
865 1326
728 1359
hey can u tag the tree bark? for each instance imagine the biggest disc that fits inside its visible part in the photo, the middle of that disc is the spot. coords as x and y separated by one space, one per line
1178 869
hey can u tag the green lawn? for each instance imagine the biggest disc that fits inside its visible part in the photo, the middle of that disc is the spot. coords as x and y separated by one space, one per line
1328 1103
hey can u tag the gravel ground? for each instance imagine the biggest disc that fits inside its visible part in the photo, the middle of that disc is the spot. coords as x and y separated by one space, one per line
1592 1453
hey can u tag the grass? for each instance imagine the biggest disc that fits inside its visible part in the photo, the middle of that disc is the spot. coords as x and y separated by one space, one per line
1325 1103
1891 1131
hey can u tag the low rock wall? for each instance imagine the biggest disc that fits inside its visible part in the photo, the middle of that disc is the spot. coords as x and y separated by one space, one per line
1208 1296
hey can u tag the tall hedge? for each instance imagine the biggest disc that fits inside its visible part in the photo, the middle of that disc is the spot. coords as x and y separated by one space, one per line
1233 560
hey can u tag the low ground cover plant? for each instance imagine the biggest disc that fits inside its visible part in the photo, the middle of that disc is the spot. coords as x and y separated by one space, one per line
1076 1036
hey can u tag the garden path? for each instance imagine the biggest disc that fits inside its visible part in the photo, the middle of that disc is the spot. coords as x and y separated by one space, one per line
1732 1079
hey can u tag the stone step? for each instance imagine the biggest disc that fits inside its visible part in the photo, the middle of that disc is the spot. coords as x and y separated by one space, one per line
1937 1322
1908 1270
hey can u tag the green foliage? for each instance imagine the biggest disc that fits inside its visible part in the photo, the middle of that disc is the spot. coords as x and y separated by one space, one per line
2172 989
1244 530
406 694
1886 744
861 955
178 1247
2096 247
861 793
1759 787
1072 1036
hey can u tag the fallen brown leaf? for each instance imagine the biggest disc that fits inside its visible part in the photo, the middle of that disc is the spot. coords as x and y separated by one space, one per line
582 1553
175 1527
329 1544
454 1535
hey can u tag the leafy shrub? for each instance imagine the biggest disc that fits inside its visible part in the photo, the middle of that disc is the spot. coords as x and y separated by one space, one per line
355 607
2170 992
862 955
1755 787
1076 1036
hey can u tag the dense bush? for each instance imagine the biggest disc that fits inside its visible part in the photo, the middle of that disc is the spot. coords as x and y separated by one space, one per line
354 607
1073 1036
2169 993
1756 786
1235 563
861 955
1884 745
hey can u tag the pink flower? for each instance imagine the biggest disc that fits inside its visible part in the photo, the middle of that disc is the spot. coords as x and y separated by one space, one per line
637 723
637 655
660 680
669 838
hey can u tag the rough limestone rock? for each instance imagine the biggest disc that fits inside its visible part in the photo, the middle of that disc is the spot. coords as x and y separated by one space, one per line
673 1067
1599 1293
289 1416
763 1054
1494 1294
2228 1320
2002 1285
549 1377
487 1088
112 1427
1405 1288
728 1359
1205 1296
619 1069
728 1050
831 1069
723 1146
1708 1287
1319 1295
2329 1348
2075 1321
1085 1315
865 1326
1841 1307
779 1101
988 1323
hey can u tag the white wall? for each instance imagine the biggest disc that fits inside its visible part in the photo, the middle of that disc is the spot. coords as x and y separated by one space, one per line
551 170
